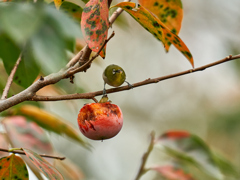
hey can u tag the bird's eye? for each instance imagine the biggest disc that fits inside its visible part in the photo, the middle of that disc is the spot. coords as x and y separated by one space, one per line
114 71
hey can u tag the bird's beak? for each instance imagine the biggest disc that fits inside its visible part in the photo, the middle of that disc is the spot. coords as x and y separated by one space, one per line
119 71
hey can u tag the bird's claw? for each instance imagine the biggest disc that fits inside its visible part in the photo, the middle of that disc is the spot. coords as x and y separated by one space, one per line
129 85
104 92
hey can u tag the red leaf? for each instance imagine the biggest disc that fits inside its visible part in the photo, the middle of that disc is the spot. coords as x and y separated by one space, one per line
94 24
156 27
172 173
28 134
21 132
13 167
3 144
47 169
175 135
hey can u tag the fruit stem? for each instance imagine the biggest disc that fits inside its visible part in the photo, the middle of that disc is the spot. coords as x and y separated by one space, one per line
94 99
104 99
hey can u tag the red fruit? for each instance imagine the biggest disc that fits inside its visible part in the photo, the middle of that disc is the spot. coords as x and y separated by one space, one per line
99 121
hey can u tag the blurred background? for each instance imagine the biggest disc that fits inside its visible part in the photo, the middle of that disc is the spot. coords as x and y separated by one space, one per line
204 103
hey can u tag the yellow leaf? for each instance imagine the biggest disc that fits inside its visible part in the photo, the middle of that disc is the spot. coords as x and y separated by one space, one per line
51 122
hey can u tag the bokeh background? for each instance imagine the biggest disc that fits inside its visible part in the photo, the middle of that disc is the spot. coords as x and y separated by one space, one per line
204 103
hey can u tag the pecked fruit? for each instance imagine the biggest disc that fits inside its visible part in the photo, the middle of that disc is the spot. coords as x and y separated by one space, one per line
99 121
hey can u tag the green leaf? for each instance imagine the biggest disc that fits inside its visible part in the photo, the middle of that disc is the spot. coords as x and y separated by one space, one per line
13 167
51 122
72 9
63 25
45 34
57 34
94 24
191 149
152 24
9 52
27 70
172 173
226 167
85 1
48 50
20 21
47 169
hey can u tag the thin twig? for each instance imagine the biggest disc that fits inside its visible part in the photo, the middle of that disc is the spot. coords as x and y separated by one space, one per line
10 78
116 14
53 78
23 153
84 66
142 169
75 59
90 95
84 55
95 100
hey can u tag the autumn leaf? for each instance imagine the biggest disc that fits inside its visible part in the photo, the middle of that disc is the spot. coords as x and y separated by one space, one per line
172 173
69 169
25 133
58 3
175 135
152 24
3 144
190 149
47 169
169 12
51 122
94 24
145 18
13 167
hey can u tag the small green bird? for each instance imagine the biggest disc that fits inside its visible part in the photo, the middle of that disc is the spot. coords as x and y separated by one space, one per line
114 76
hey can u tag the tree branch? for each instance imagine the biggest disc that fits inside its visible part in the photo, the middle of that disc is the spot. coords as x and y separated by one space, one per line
86 51
53 78
10 78
142 169
75 59
23 153
85 66
90 95
116 14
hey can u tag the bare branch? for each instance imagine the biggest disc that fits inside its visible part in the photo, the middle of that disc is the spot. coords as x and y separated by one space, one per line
95 100
86 51
90 95
85 66
116 14
75 59
10 78
23 153
142 169
53 78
